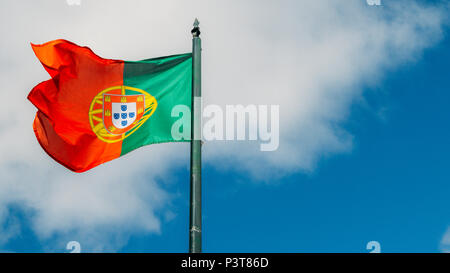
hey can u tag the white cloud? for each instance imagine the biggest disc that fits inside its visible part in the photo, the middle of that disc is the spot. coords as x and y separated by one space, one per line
310 57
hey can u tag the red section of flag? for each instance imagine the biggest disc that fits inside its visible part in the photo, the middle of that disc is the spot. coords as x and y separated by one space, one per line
62 122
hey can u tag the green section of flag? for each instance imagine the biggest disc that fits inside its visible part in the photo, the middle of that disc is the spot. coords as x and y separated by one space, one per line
169 80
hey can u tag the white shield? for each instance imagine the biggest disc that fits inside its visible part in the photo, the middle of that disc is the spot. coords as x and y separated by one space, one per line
123 114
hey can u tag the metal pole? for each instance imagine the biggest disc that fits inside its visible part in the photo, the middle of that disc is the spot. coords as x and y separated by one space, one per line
195 223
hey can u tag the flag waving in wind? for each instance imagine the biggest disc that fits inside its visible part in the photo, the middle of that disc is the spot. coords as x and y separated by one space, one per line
93 110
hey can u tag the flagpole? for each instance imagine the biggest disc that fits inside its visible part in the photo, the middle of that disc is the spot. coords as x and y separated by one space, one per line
195 221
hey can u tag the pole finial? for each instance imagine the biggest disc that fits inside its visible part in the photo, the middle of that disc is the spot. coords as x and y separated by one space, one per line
196 30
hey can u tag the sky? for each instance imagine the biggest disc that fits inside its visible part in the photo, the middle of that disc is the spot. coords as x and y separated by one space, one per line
362 90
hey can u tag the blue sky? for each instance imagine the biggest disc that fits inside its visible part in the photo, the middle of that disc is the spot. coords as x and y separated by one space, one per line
390 185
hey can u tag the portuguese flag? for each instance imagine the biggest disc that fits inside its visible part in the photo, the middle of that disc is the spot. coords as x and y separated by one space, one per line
93 110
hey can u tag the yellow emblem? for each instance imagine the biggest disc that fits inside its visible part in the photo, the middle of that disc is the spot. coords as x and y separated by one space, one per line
103 117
